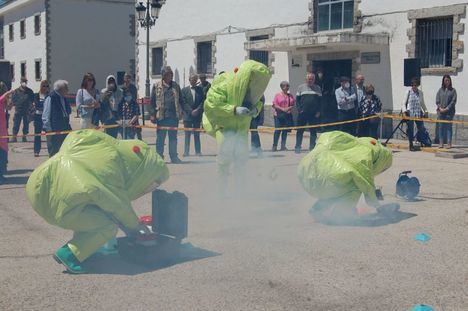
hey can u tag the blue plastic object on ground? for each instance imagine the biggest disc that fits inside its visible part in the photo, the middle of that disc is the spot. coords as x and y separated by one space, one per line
422 237
422 308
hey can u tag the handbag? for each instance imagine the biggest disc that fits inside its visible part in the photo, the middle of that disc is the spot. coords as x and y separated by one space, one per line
281 115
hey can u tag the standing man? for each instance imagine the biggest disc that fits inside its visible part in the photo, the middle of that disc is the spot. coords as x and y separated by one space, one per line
23 99
129 88
166 110
255 143
193 97
360 92
56 116
346 99
204 84
309 106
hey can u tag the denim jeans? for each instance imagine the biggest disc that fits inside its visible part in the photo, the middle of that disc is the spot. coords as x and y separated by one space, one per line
445 130
254 136
304 119
161 137
195 124
410 130
284 134
347 115
37 130
18 117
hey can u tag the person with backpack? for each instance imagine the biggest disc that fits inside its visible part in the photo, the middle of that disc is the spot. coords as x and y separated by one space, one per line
414 107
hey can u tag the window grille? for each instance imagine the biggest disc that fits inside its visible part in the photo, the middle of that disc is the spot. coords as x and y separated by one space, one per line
205 57
157 56
260 56
434 42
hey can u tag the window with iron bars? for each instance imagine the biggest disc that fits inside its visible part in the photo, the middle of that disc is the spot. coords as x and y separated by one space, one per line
205 57
434 42
260 56
334 14
157 57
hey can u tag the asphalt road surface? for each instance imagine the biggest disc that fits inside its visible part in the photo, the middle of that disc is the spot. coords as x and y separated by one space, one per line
257 251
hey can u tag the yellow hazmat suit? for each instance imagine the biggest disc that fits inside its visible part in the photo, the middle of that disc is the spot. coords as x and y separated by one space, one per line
341 168
229 91
93 179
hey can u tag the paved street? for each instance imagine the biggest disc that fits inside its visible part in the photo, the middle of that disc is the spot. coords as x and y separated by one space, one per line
261 251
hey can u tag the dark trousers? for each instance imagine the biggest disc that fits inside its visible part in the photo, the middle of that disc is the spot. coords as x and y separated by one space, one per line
161 137
18 117
128 133
369 128
7 116
304 119
347 115
284 134
37 130
410 129
254 136
195 124
54 142
3 162
138 131
445 130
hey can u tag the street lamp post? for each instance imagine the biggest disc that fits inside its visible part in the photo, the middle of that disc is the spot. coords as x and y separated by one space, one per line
147 16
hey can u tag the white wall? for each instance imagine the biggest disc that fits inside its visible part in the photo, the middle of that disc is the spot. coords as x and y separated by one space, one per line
397 25
370 7
89 36
30 48
179 18
180 56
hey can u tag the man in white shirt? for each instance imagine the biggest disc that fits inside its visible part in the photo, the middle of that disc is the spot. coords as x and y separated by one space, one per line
346 98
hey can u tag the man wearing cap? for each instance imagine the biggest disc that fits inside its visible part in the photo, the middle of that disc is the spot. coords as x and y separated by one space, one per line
346 98
204 84
309 106
22 98
166 108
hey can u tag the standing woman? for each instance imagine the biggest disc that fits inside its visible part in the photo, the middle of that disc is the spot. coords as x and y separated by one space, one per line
369 106
39 99
87 99
446 100
414 107
283 104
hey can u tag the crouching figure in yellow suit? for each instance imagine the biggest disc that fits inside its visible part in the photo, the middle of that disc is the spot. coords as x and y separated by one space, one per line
231 103
88 187
341 169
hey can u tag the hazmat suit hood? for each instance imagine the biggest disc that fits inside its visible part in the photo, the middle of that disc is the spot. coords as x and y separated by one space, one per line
109 77
92 168
228 91
342 165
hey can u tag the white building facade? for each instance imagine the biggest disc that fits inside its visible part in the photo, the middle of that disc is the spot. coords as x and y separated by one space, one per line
63 39
340 37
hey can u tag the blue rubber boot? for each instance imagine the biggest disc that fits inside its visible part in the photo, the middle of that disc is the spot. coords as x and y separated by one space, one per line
65 257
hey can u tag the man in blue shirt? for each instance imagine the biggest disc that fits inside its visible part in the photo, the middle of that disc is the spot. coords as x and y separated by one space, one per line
56 116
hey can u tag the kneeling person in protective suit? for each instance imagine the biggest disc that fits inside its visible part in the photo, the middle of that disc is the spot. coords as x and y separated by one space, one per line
339 170
231 103
88 187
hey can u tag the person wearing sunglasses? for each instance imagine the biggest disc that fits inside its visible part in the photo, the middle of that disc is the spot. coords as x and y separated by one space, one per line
39 99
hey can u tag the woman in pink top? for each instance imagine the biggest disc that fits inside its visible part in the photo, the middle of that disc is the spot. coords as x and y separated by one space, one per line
4 99
283 104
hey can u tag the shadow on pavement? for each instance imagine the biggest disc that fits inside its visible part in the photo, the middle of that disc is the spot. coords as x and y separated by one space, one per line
18 172
114 264
17 180
374 220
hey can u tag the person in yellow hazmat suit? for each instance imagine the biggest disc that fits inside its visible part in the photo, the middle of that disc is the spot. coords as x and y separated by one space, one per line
88 187
339 170
231 103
